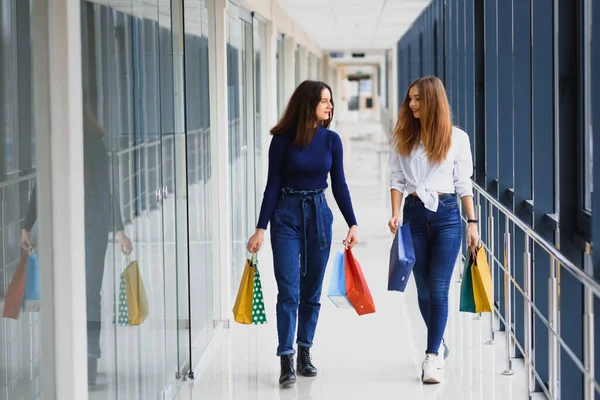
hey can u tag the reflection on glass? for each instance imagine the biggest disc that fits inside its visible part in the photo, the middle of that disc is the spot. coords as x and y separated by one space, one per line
100 204
127 62
20 326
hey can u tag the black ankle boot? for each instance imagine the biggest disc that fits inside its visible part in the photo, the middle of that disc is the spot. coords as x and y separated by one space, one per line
287 377
304 364
92 371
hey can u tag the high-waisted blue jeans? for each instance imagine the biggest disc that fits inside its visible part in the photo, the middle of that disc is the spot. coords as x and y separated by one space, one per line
436 239
301 241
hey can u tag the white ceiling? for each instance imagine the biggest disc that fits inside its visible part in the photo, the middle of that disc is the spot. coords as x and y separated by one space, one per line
354 24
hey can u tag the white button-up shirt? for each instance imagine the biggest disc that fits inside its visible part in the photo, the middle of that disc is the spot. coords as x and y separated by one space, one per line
415 174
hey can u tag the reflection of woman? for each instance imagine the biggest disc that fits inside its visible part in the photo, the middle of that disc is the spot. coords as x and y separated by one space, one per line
99 207
431 162
302 153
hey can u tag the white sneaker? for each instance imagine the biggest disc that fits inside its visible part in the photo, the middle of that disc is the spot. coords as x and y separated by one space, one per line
443 352
431 373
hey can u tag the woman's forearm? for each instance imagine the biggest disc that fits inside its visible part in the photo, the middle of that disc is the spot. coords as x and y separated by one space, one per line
467 203
396 201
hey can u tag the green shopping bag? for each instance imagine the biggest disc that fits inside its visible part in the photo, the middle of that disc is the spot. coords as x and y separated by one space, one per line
123 311
467 295
249 307
258 313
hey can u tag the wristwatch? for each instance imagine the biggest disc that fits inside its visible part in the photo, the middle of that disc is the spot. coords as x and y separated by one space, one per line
472 221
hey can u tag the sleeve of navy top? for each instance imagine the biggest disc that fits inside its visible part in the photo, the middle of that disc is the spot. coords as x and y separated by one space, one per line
338 181
271 194
31 211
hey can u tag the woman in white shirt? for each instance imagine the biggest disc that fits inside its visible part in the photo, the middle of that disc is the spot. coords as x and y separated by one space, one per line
430 166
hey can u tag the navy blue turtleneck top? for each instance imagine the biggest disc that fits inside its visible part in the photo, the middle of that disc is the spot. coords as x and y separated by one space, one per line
306 168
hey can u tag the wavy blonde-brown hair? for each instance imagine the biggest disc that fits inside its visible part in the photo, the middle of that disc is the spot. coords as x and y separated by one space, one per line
433 128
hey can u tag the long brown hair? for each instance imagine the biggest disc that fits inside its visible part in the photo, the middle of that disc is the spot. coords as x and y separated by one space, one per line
300 113
433 128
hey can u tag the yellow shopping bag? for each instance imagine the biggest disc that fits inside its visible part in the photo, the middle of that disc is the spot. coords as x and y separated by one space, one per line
482 282
242 310
137 300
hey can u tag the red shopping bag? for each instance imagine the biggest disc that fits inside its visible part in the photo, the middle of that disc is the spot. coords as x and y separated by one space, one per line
357 290
14 294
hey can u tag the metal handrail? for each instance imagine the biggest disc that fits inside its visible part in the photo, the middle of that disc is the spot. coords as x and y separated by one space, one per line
547 246
551 386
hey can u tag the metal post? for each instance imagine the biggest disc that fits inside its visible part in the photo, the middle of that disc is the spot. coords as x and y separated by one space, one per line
508 300
553 322
491 237
529 383
588 334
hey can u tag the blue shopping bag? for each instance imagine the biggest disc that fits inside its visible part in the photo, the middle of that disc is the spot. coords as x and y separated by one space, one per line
32 280
402 259
337 286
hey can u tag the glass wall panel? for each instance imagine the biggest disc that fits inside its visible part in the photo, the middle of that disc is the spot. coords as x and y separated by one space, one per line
130 186
297 65
243 111
199 138
260 65
281 100
20 328
238 142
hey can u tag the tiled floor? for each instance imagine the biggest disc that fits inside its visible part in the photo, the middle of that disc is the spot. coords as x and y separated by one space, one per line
375 356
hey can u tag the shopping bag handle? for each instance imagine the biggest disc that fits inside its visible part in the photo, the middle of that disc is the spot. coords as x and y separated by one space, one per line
473 250
128 259
254 259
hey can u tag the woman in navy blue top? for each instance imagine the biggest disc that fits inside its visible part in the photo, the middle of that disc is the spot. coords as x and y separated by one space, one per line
302 153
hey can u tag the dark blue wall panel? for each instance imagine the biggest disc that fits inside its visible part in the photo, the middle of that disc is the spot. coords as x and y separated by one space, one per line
522 137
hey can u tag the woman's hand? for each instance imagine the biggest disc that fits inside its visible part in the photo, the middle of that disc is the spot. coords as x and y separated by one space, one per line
472 235
393 223
352 237
255 242
26 240
124 243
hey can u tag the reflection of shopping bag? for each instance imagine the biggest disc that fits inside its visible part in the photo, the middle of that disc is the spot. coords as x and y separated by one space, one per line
467 297
337 285
249 305
357 289
482 282
402 259
133 301
14 294
32 282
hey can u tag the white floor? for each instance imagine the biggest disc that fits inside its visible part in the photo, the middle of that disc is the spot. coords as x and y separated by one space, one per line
375 356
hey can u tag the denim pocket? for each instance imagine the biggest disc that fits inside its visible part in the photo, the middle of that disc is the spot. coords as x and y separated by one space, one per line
449 203
286 218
